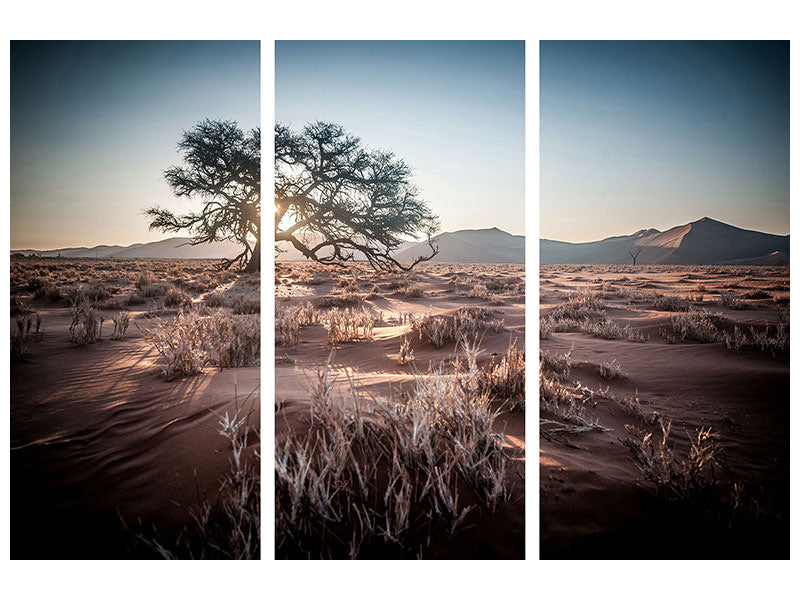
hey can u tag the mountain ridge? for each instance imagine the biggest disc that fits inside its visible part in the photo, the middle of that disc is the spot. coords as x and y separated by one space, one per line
174 247
704 241
490 245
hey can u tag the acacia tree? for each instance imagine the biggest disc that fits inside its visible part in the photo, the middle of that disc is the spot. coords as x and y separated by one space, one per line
222 169
337 201
635 254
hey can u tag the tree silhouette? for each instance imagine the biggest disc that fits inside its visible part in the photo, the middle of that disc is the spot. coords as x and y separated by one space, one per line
634 254
342 199
223 169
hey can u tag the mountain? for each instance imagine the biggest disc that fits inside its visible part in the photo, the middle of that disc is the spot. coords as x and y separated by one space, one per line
701 242
466 245
177 247
471 246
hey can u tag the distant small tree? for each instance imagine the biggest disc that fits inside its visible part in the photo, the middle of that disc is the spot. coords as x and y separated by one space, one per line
635 254
223 169
336 199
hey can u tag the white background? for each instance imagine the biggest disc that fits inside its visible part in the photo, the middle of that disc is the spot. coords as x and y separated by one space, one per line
409 19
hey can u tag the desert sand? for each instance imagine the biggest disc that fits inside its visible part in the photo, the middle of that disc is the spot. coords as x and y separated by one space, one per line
596 500
104 448
373 366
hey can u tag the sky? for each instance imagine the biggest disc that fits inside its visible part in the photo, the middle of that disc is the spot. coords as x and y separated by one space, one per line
636 135
453 111
95 124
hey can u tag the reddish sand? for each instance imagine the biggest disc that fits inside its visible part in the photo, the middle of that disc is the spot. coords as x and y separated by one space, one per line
594 501
98 436
373 366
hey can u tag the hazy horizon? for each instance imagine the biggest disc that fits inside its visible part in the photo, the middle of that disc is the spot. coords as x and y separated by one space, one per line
95 124
637 135
454 111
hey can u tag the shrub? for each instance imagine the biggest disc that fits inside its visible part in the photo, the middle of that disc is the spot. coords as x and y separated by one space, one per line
19 306
120 325
609 330
231 340
348 325
289 322
340 300
728 300
611 370
757 295
670 303
179 343
144 279
135 299
505 380
560 364
689 478
695 326
406 352
190 341
38 283
175 297
247 305
53 294
464 323
151 291
478 291
86 324
28 327
214 300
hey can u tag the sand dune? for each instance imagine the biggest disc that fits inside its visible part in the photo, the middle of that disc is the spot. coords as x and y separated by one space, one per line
705 241
472 246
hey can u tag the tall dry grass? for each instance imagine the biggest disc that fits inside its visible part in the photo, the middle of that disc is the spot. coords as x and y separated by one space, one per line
371 475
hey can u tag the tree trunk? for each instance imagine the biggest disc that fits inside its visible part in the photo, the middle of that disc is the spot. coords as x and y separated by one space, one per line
254 266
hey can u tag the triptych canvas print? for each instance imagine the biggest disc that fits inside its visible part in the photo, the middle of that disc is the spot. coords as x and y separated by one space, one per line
400 300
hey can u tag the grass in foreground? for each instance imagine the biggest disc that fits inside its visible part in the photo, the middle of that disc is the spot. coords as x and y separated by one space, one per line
379 477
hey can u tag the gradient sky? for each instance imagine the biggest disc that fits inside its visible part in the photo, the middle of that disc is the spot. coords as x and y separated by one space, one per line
454 111
658 134
95 124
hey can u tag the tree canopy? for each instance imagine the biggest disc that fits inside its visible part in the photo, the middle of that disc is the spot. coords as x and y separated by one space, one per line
222 168
336 200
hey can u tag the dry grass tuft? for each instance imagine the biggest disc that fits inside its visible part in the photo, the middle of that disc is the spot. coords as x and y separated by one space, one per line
175 297
464 323
611 370
406 352
377 473
86 324
349 325
505 379
120 325
28 328
190 341
690 478
247 305
289 322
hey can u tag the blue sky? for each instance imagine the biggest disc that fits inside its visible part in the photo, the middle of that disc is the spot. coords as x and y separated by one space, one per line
454 111
95 124
657 134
